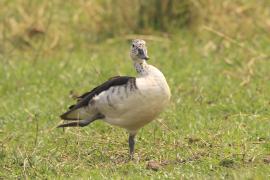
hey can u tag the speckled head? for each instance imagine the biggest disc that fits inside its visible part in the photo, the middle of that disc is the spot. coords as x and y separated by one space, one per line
138 50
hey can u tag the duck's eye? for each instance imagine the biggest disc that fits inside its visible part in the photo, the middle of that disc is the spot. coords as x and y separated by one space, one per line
133 45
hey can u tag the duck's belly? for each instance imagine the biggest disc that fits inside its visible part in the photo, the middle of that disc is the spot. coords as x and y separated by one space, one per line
137 117
132 109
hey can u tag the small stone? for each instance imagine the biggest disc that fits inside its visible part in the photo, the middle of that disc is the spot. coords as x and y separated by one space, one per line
226 163
193 140
266 159
165 163
153 165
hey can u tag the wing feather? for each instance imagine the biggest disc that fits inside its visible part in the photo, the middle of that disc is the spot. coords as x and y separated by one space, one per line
85 98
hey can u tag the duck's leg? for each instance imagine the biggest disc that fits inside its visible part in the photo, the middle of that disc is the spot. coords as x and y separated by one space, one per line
131 142
82 123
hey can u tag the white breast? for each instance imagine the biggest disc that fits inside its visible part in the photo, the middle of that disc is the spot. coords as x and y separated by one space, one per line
133 108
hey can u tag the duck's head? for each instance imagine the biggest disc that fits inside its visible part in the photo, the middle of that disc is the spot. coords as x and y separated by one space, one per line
138 50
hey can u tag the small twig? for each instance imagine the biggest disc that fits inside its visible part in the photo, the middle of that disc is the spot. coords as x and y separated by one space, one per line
37 129
24 167
166 127
34 116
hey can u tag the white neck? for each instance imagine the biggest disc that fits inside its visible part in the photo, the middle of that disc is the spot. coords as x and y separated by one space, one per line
141 67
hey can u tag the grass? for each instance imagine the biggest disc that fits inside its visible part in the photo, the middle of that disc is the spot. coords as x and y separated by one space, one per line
216 126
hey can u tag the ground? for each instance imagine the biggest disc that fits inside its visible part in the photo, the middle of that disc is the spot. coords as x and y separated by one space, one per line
217 124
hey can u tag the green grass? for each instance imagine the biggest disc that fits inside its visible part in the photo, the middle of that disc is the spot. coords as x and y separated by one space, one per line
214 126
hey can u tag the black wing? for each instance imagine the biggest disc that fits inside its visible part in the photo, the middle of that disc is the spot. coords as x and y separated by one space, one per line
84 99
